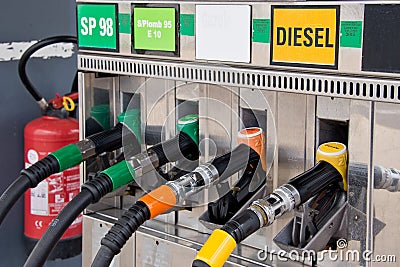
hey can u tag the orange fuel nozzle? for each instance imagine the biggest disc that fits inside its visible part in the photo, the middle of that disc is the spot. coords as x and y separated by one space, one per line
254 137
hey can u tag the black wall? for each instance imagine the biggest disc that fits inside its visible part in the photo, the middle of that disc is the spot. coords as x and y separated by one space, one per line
25 21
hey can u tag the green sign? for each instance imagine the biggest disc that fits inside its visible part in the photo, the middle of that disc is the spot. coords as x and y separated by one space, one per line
187 24
97 26
154 28
124 23
261 30
351 34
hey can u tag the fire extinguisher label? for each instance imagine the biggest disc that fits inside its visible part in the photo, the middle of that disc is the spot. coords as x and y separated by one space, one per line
48 199
39 199
32 156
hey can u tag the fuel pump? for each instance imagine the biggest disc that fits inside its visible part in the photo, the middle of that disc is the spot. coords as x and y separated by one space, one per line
322 221
250 186
330 170
246 155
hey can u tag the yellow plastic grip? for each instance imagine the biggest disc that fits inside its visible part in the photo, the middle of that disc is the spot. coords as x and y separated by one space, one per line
68 103
217 249
336 154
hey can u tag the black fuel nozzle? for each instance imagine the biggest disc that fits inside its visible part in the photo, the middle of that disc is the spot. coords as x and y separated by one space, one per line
223 209
330 169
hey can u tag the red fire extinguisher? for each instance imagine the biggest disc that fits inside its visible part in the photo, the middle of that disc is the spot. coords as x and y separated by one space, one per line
54 130
43 203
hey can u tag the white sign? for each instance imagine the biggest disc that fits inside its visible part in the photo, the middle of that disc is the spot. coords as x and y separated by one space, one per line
223 32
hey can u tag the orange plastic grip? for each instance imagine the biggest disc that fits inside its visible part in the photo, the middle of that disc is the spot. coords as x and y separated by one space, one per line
254 137
159 200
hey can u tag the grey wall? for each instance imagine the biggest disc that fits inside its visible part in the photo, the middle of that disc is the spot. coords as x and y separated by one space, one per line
26 21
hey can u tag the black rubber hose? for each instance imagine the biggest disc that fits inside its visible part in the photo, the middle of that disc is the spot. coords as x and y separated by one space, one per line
120 232
29 52
153 134
12 194
29 178
316 179
92 192
41 170
109 140
199 263
57 228
175 149
242 226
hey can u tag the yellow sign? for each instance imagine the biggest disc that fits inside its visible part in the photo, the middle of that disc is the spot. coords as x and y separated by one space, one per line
305 36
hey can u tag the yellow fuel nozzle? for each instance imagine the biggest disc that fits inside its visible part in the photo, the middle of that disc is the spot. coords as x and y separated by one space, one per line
336 154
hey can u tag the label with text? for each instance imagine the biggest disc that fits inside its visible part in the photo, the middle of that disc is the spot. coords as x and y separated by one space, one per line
154 28
97 26
351 34
261 30
305 36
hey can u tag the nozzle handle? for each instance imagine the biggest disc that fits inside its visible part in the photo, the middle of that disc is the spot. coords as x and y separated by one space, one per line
108 140
311 182
234 161
181 146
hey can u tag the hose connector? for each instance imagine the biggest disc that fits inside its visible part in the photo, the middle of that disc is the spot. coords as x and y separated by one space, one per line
191 183
284 199
391 182
159 200
42 103
120 174
87 148
68 156
143 163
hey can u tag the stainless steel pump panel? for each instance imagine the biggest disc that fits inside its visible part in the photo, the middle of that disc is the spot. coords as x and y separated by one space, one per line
313 71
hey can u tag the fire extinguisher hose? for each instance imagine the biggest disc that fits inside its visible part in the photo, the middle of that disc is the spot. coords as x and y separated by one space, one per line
60 160
28 53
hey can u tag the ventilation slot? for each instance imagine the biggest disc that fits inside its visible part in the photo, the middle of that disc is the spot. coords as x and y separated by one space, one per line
315 84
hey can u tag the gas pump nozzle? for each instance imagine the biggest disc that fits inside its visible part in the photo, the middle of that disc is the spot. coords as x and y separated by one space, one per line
330 170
